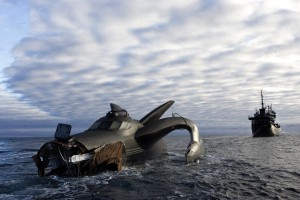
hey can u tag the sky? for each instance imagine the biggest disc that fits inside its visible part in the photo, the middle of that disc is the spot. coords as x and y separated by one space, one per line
64 61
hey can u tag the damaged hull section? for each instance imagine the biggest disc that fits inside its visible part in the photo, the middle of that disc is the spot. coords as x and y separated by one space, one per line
55 158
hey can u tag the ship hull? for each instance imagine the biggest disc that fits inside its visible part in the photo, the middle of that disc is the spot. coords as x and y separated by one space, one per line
265 130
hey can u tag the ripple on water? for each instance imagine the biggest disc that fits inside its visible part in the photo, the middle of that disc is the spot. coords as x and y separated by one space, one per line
233 168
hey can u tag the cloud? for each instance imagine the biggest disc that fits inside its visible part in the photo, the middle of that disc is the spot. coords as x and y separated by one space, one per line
211 57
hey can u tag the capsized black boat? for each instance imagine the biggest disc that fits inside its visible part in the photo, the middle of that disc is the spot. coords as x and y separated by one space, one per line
263 122
111 140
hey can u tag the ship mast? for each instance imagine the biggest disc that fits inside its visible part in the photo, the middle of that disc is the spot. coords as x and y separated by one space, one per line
262 99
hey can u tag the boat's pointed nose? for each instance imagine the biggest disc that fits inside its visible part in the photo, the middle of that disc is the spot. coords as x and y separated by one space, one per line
194 151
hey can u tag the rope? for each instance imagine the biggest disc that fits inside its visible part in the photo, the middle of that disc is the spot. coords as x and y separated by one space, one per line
175 113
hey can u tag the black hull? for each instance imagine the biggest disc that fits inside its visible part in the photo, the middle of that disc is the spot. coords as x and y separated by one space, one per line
269 130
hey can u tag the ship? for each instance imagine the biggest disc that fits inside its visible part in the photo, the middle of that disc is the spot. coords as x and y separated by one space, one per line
112 141
263 121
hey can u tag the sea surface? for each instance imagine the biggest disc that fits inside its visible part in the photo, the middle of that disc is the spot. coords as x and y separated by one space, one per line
234 167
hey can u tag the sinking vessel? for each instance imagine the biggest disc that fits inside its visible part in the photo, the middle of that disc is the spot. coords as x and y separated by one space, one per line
112 140
263 121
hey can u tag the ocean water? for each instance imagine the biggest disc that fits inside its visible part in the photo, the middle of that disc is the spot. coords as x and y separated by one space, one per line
234 167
